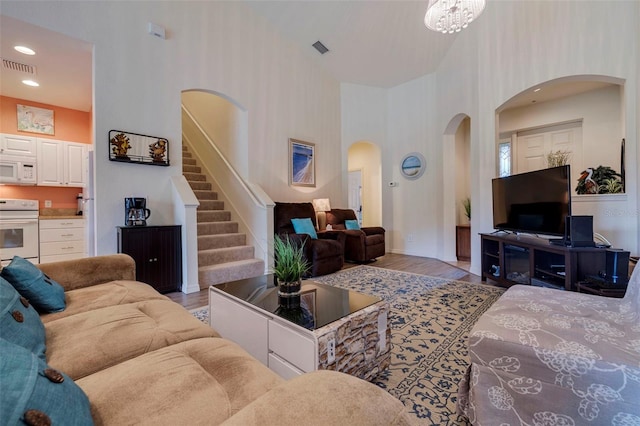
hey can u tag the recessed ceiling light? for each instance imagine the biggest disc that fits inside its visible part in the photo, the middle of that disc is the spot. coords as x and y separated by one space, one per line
30 83
537 90
25 50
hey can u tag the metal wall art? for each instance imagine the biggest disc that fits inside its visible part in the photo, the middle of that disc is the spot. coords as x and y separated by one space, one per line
130 147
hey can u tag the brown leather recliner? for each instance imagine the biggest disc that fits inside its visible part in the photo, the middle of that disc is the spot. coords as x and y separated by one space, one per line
361 245
325 254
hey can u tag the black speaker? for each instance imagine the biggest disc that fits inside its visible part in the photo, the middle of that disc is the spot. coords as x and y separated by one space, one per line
579 231
617 265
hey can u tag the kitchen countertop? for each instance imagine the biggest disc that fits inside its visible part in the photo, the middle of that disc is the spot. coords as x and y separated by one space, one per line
52 214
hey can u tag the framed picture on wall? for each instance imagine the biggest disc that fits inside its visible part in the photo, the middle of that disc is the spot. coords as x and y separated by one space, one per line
35 120
302 163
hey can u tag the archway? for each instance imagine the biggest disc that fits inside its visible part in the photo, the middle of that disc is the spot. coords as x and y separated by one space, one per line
596 106
456 183
365 157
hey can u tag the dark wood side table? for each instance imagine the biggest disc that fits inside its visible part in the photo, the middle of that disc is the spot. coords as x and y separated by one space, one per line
594 288
157 251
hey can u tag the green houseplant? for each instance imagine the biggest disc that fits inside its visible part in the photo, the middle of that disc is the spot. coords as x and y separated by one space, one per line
290 264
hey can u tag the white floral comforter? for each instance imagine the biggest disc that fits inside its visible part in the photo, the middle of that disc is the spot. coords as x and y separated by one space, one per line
548 357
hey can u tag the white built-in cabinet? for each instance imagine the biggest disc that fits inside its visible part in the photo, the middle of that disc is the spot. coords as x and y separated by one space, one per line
62 239
61 163
18 145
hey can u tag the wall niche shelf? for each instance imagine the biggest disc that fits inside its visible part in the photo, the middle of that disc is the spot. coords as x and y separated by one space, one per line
127 147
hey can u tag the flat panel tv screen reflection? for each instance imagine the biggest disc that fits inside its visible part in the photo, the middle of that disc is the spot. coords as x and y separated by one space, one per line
534 202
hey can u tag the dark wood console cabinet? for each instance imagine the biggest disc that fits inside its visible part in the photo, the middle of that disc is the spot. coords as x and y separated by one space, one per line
157 251
463 243
510 259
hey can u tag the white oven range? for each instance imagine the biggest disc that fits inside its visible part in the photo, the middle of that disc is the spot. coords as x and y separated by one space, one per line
19 230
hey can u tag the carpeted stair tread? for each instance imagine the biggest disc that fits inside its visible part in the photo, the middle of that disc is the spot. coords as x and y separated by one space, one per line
194 177
188 161
206 242
231 271
186 154
223 255
204 215
200 185
188 168
206 195
225 227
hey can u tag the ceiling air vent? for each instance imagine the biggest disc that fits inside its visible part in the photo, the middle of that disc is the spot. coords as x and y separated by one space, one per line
8 64
320 47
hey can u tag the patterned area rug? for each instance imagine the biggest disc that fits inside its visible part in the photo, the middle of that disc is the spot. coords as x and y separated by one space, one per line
430 320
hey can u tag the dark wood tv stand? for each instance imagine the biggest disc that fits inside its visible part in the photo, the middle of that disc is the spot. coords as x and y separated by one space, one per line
510 259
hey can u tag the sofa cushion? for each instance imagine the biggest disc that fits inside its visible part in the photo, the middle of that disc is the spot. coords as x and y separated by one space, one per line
304 226
202 381
104 295
324 398
19 322
33 391
351 224
45 294
87 342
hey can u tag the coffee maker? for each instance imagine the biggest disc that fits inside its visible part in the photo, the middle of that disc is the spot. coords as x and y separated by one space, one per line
136 212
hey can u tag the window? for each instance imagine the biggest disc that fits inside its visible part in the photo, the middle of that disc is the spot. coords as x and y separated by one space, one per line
504 158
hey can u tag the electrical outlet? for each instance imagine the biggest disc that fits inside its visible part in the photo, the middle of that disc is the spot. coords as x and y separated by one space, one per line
411 238
331 351
47 203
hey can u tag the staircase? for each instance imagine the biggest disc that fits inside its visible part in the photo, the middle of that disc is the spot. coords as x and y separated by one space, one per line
223 254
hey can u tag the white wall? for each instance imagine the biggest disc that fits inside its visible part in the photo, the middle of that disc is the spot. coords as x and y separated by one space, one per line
225 123
217 46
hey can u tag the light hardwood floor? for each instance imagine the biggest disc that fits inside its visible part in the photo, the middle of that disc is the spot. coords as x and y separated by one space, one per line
398 262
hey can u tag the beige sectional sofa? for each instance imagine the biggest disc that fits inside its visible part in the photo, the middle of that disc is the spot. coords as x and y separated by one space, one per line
143 359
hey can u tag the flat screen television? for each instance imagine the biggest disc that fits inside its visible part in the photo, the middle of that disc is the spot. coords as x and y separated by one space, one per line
534 202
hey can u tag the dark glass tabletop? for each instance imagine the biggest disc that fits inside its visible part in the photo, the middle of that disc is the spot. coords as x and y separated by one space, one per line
319 304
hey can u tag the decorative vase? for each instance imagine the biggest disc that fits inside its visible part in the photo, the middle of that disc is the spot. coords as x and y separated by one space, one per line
289 294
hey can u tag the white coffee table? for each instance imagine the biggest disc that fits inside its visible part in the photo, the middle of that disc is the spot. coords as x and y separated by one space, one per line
336 329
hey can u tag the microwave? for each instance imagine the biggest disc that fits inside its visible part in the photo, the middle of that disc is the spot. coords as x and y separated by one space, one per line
15 170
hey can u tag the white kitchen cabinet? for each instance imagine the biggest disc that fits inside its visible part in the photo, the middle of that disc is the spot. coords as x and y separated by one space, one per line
24 146
62 239
62 163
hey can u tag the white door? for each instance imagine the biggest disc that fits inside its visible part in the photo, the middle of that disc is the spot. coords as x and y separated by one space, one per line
534 145
355 193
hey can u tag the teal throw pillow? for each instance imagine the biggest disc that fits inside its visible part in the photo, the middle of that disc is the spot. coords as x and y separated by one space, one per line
45 294
33 393
351 224
20 324
304 226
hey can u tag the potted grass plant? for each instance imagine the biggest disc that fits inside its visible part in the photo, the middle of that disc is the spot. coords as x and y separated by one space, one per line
290 266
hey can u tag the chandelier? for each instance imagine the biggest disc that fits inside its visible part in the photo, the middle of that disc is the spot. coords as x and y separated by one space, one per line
450 16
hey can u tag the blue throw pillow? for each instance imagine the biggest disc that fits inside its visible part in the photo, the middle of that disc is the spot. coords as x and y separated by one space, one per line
45 294
32 391
304 226
19 322
351 224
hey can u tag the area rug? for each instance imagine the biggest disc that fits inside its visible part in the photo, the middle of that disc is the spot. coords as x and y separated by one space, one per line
430 320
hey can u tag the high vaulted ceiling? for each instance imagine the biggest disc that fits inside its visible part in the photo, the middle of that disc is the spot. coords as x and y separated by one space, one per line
373 43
